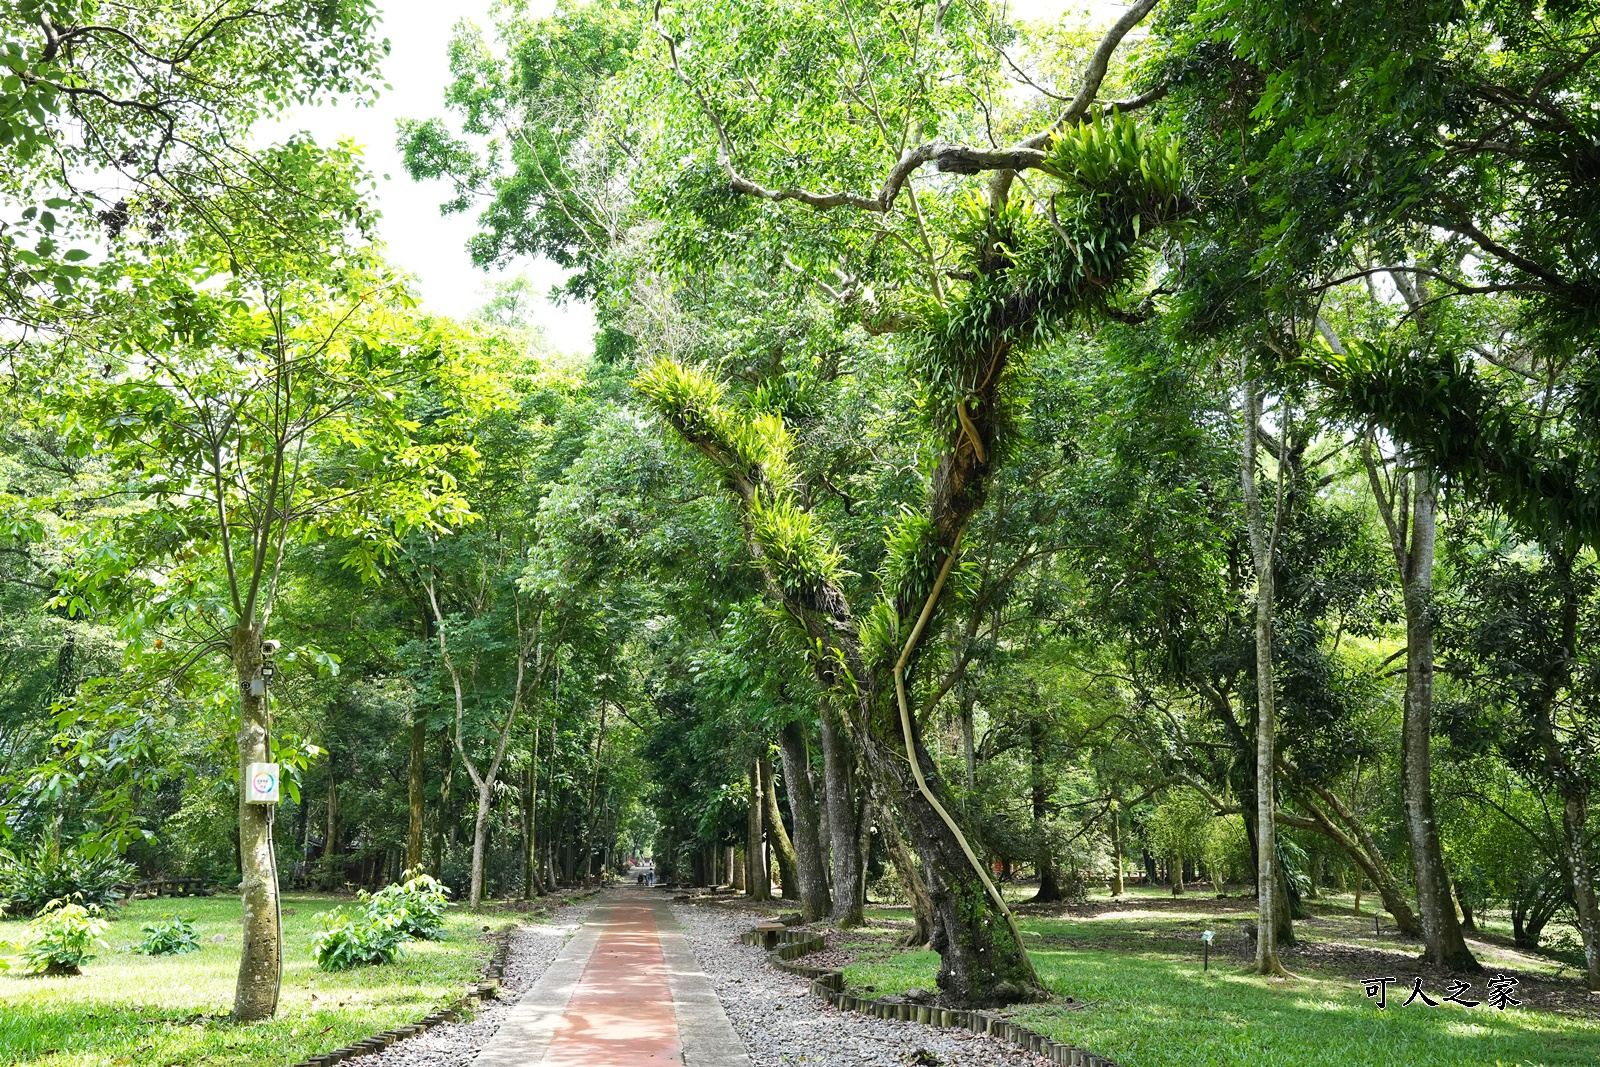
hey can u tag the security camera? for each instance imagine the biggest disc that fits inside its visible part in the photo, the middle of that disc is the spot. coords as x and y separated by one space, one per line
269 648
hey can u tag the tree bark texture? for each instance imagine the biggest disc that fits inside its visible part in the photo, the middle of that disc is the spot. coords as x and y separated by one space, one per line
1574 817
981 962
416 782
1117 887
1262 549
758 883
777 836
261 958
839 796
331 828
480 839
532 886
1044 856
911 878
1413 543
810 874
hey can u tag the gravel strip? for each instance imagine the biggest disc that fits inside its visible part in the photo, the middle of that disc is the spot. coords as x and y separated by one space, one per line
456 1044
781 1023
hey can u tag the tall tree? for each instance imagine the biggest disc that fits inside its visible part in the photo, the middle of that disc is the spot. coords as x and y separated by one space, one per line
1263 550
1408 502
246 412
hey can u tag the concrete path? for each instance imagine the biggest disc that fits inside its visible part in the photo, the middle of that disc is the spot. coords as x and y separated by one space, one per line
626 991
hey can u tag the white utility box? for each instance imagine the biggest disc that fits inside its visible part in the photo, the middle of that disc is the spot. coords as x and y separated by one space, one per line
261 783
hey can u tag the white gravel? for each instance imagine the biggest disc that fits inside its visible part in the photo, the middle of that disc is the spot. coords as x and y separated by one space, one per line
781 1023
456 1044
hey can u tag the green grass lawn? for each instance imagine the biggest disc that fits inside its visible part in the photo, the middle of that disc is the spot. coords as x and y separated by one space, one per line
128 1010
1146 1011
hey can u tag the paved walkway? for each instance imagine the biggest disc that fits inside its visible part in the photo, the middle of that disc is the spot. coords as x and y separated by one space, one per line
625 992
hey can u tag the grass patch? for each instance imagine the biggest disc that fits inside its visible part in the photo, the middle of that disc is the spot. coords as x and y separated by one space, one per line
129 1010
1148 1012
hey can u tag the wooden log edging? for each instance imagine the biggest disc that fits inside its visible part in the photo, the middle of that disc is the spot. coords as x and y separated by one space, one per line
486 988
784 948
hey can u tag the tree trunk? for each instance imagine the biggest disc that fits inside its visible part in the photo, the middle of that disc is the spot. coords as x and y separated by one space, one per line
1117 888
840 799
330 847
1443 944
442 812
810 873
416 782
1363 851
969 754
758 883
1574 816
777 836
532 886
480 841
261 958
1175 869
911 878
1262 547
1044 856
982 962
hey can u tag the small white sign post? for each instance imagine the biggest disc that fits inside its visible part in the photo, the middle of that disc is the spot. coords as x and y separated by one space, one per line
261 783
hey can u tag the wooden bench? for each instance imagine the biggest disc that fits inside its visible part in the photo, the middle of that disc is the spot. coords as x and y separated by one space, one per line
172 887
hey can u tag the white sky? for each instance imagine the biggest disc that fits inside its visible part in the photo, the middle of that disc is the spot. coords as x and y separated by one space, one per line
432 247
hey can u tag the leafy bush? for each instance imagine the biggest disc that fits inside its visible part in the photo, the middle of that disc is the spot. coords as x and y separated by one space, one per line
374 932
63 937
169 938
30 880
418 905
345 940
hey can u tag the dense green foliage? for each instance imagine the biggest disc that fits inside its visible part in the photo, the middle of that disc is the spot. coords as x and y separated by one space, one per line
168 937
31 878
1042 453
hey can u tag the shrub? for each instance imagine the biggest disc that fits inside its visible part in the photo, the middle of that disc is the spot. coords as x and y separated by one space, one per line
168 938
63 937
346 940
417 904
30 880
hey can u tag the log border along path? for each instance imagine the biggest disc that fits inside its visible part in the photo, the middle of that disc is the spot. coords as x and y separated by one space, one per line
626 991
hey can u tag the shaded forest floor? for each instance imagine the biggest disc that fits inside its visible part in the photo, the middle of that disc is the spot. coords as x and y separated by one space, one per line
1128 982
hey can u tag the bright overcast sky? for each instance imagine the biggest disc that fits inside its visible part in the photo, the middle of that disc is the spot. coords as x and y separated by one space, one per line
428 245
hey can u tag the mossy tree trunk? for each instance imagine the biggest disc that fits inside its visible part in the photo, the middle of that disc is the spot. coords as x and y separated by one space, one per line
783 851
